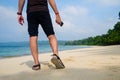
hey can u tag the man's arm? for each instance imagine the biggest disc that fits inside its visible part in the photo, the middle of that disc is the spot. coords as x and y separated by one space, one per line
20 8
54 7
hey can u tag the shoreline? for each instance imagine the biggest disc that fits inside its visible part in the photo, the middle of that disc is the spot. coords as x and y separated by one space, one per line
96 63
46 52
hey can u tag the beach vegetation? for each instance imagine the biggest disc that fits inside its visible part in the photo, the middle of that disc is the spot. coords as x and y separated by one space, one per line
112 37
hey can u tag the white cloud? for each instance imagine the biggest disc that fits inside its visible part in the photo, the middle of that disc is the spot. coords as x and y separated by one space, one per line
110 2
10 30
79 24
105 2
72 17
75 10
73 28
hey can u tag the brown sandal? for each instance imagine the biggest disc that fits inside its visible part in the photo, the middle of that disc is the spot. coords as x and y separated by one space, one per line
36 67
57 62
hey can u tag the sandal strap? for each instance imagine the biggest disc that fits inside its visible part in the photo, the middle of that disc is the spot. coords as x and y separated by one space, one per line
36 65
56 56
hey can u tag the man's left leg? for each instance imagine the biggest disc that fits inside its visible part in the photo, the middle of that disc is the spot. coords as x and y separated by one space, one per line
48 29
53 43
56 59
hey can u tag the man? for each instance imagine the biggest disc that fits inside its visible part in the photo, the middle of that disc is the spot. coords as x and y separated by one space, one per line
38 13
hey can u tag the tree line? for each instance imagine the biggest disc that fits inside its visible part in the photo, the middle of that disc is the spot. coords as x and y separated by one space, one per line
112 37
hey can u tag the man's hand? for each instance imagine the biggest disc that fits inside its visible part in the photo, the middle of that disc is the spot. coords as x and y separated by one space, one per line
58 20
20 19
19 13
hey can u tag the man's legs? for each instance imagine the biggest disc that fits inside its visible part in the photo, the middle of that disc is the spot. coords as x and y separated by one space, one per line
53 44
34 48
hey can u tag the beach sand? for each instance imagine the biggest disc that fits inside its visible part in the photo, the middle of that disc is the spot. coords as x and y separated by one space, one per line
96 63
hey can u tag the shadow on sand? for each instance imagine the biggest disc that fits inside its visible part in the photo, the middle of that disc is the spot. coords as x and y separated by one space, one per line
105 73
45 63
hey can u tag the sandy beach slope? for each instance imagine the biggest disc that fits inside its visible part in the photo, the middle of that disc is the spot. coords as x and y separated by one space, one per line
96 63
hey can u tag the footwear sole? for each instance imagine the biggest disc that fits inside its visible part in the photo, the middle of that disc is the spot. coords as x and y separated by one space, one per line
57 63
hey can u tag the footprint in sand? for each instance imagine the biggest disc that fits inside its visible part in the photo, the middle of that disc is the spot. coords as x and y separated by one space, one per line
70 59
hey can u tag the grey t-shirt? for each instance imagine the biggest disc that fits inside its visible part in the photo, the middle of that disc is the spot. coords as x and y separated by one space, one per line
37 5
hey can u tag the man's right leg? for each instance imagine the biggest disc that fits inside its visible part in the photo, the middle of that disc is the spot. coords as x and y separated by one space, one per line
33 33
34 49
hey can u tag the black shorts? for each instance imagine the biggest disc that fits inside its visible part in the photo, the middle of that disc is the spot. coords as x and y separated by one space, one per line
42 18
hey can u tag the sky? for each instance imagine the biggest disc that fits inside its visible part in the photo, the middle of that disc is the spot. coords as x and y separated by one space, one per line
82 19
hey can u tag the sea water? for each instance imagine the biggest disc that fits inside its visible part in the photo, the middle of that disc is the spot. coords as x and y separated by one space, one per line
10 49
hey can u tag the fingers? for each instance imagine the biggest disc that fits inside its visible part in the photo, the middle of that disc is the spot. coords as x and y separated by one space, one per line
58 20
20 20
59 23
